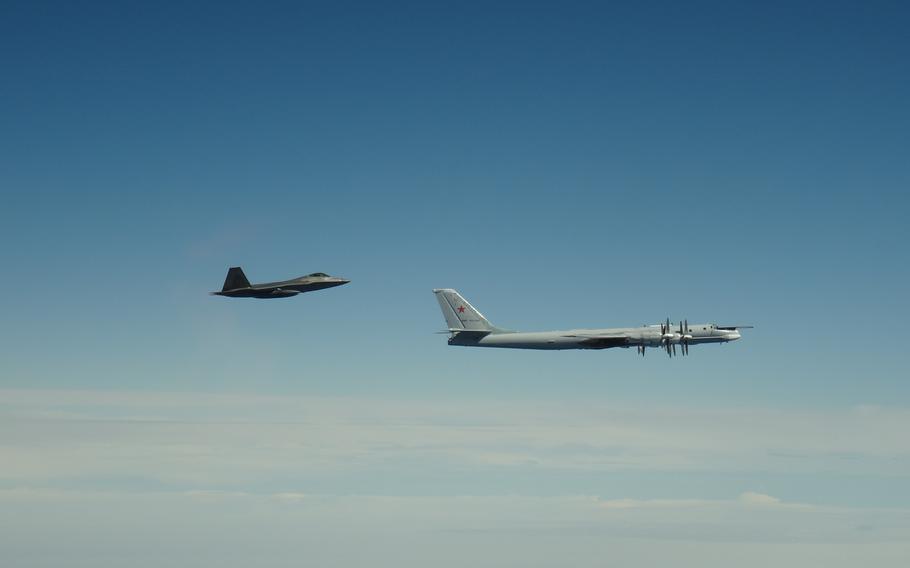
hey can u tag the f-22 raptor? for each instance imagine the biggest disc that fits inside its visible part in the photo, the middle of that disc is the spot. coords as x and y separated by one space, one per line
468 327
237 286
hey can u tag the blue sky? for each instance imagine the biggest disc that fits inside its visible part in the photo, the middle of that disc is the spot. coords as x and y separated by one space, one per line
580 165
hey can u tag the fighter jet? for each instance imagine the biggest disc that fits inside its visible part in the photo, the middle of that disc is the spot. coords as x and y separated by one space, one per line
468 327
237 286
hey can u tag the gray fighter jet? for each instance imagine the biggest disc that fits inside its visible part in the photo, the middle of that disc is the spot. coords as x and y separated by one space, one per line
237 286
468 327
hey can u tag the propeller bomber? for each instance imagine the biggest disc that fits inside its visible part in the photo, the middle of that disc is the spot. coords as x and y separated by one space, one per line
468 327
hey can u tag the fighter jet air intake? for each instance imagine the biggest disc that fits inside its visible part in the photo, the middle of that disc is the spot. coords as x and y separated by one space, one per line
237 286
468 327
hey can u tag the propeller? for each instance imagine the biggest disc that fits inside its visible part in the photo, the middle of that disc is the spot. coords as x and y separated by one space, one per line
684 336
688 337
667 338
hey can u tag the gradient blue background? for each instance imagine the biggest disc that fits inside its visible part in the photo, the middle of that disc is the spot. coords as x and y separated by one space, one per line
562 165
581 166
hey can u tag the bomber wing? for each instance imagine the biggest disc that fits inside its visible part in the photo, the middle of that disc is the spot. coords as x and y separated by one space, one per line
601 340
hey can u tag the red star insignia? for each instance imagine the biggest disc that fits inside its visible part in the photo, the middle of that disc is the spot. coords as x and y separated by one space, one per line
460 309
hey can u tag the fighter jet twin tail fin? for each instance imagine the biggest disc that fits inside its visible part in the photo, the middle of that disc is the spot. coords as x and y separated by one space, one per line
235 279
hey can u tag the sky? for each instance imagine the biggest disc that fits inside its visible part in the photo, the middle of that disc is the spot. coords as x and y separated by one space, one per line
575 165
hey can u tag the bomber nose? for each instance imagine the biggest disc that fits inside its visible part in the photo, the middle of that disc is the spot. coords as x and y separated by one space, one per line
733 335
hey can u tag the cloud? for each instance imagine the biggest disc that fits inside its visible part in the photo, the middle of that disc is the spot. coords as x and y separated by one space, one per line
752 498
745 499
187 439
652 470
290 497
628 504
230 526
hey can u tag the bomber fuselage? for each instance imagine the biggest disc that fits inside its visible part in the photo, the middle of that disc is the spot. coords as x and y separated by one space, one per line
644 336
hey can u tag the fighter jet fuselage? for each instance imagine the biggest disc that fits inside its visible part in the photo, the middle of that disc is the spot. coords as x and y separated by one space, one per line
236 285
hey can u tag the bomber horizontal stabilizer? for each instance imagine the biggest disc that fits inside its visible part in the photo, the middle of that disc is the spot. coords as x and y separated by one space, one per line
477 333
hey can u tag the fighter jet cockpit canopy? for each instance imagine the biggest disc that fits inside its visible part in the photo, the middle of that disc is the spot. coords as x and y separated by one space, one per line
318 275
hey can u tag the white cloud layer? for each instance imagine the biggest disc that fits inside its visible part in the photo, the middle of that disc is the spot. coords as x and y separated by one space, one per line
234 480
212 528
193 438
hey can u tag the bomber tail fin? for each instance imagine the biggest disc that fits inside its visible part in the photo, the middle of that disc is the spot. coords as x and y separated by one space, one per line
461 315
235 279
